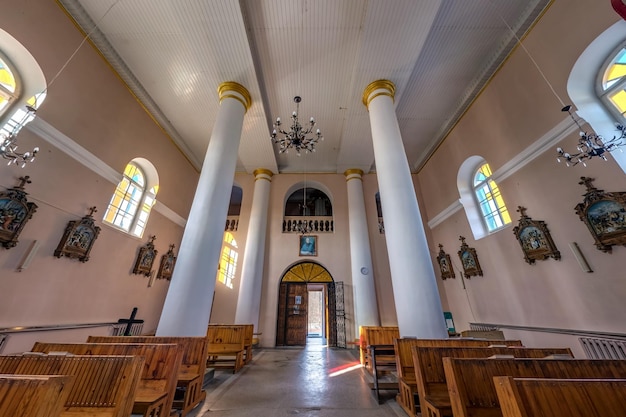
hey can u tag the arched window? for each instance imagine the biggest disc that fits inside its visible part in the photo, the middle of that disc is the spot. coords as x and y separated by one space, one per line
228 260
133 198
22 84
612 85
492 207
481 198
597 93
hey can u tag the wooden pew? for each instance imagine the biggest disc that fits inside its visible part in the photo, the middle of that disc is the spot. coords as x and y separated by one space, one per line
407 385
473 393
529 397
157 386
431 379
226 346
34 396
104 386
191 373
375 335
247 342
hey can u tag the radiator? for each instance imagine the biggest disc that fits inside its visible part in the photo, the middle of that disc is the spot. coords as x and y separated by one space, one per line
596 348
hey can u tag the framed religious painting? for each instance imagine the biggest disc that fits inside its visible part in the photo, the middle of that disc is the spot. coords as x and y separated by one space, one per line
15 211
78 238
308 245
469 260
145 258
166 267
445 264
604 213
534 238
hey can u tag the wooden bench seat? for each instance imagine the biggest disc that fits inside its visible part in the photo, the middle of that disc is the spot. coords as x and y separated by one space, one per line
226 346
191 372
530 397
247 342
473 393
431 378
157 386
407 385
104 386
34 396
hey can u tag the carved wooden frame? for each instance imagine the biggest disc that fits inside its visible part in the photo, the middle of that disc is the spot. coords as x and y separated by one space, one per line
168 262
604 213
15 211
469 260
534 238
78 238
445 264
145 258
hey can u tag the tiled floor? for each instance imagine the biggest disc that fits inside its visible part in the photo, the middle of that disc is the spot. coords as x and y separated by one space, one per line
296 381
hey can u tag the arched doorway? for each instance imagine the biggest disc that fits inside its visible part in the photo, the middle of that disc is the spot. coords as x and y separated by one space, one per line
297 284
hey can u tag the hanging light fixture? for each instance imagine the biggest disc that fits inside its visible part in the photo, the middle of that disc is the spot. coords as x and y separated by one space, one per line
590 145
8 142
297 137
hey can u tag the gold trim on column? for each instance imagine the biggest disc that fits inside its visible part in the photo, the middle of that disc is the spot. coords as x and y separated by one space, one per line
266 174
354 171
378 85
238 88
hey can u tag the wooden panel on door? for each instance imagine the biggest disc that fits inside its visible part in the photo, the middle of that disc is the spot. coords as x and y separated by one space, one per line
297 318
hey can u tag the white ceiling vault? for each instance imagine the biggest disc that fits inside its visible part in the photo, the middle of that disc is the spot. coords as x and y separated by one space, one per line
175 53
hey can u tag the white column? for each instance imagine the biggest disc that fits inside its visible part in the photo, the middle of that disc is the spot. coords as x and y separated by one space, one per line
418 304
249 301
365 305
188 302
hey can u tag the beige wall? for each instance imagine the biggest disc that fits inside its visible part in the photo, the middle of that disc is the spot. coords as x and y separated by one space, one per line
89 104
516 109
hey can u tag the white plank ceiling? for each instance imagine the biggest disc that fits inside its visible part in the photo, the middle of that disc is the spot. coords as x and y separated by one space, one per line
174 53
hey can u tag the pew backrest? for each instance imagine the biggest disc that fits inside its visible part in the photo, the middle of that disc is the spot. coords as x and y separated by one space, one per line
160 370
472 391
530 397
34 396
375 335
194 349
404 358
103 385
226 338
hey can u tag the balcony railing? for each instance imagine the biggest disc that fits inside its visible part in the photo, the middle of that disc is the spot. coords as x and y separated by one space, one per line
316 224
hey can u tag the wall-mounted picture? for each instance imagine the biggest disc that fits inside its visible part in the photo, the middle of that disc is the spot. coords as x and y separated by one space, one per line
308 245
445 264
168 262
469 260
78 238
534 238
15 211
604 213
145 258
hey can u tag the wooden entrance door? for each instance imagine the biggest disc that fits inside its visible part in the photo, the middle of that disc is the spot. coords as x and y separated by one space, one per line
297 318
292 326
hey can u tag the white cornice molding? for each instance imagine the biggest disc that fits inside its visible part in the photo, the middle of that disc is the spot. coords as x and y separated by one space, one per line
443 215
548 141
68 146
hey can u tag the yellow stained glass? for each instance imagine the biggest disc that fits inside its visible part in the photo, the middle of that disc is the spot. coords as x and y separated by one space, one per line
616 71
619 100
6 77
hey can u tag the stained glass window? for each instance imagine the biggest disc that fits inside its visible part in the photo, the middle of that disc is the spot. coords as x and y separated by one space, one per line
228 261
130 195
490 200
613 83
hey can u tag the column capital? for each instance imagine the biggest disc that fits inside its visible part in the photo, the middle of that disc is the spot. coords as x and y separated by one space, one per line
388 89
353 173
263 174
243 96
